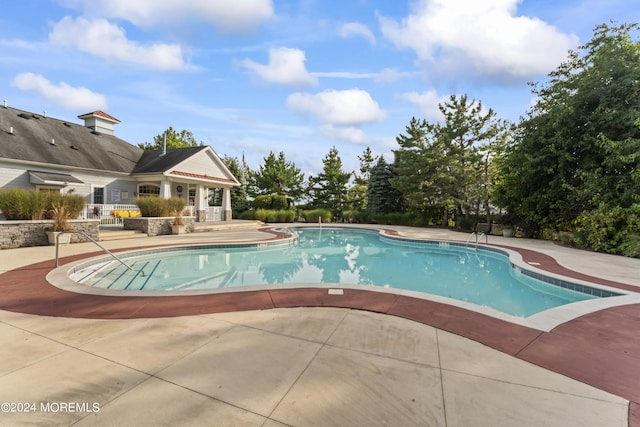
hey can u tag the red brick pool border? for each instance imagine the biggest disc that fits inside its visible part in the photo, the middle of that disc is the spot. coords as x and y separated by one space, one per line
600 348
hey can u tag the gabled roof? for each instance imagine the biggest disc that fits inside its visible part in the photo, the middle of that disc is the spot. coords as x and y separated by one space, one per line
35 138
153 161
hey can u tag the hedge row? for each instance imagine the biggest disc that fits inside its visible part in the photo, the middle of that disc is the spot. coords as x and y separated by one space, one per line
21 204
269 215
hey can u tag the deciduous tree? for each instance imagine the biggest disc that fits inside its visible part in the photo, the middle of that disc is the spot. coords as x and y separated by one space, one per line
172 138
577 147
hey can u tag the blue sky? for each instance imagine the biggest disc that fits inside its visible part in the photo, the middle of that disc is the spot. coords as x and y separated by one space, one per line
253 76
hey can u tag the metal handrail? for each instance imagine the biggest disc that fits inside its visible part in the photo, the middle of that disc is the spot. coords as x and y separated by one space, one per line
479 236
85 234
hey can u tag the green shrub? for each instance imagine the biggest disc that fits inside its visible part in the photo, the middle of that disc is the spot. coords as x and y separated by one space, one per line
355 216
467 223
35 205
610 230
361 217
262 202
59 213
152 206
269 215
272 215
631 246
12 203
21 204
250 215
175 206
279 203
157 207
285 215
314 214
266 201
74 204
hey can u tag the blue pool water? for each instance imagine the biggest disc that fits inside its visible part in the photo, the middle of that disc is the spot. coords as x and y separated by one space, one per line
340 256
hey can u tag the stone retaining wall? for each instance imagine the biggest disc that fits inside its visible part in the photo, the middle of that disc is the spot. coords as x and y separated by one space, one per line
156 226
20 234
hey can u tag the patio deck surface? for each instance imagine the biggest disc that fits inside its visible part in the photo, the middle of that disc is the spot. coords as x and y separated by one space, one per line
306 357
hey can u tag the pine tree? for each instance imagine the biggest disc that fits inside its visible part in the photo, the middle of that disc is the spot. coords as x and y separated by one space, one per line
382 197
329 189
277 176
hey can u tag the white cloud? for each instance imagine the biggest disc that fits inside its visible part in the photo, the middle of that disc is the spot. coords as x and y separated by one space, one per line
344 75
344 107
428 103
389 75
227 16
356 29
73 98
485 34
349 133
286 66
101 38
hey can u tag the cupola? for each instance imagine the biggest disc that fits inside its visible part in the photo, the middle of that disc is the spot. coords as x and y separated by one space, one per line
99 122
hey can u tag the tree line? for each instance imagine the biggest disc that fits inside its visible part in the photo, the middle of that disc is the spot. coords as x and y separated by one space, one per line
569 169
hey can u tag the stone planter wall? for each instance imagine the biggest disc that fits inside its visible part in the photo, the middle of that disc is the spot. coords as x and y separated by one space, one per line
20 234
156 226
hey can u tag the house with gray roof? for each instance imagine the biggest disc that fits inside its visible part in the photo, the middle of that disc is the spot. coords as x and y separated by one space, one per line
44 153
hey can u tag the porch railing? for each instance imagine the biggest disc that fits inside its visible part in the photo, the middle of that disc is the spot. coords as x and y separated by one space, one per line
109 214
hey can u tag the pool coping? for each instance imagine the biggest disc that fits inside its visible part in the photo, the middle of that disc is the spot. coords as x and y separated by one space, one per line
600 348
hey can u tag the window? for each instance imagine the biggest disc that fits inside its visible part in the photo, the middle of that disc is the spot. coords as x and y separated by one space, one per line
148 190
48 189
98 195
192 197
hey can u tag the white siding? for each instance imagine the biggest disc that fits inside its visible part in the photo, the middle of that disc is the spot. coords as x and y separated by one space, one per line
14 177
18 177
203 163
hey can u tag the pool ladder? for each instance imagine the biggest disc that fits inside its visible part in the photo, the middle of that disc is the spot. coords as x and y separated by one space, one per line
85 234
481 229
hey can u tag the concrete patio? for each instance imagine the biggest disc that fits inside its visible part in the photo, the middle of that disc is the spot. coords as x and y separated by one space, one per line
297 357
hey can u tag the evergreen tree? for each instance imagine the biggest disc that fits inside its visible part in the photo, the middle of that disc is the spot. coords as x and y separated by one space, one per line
382 197
357 193
466 135
277 176
414 165
442 165
329 189
367 162
239 199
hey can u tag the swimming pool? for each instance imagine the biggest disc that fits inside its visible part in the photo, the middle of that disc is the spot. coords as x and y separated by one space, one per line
343 256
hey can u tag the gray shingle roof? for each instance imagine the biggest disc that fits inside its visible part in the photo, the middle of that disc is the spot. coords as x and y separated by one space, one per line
74 145
153 161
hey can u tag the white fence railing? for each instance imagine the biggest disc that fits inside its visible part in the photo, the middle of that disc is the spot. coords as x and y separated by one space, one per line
212 213
112 214
109 213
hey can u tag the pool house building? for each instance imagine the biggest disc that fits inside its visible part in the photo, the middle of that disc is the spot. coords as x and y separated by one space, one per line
44 153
